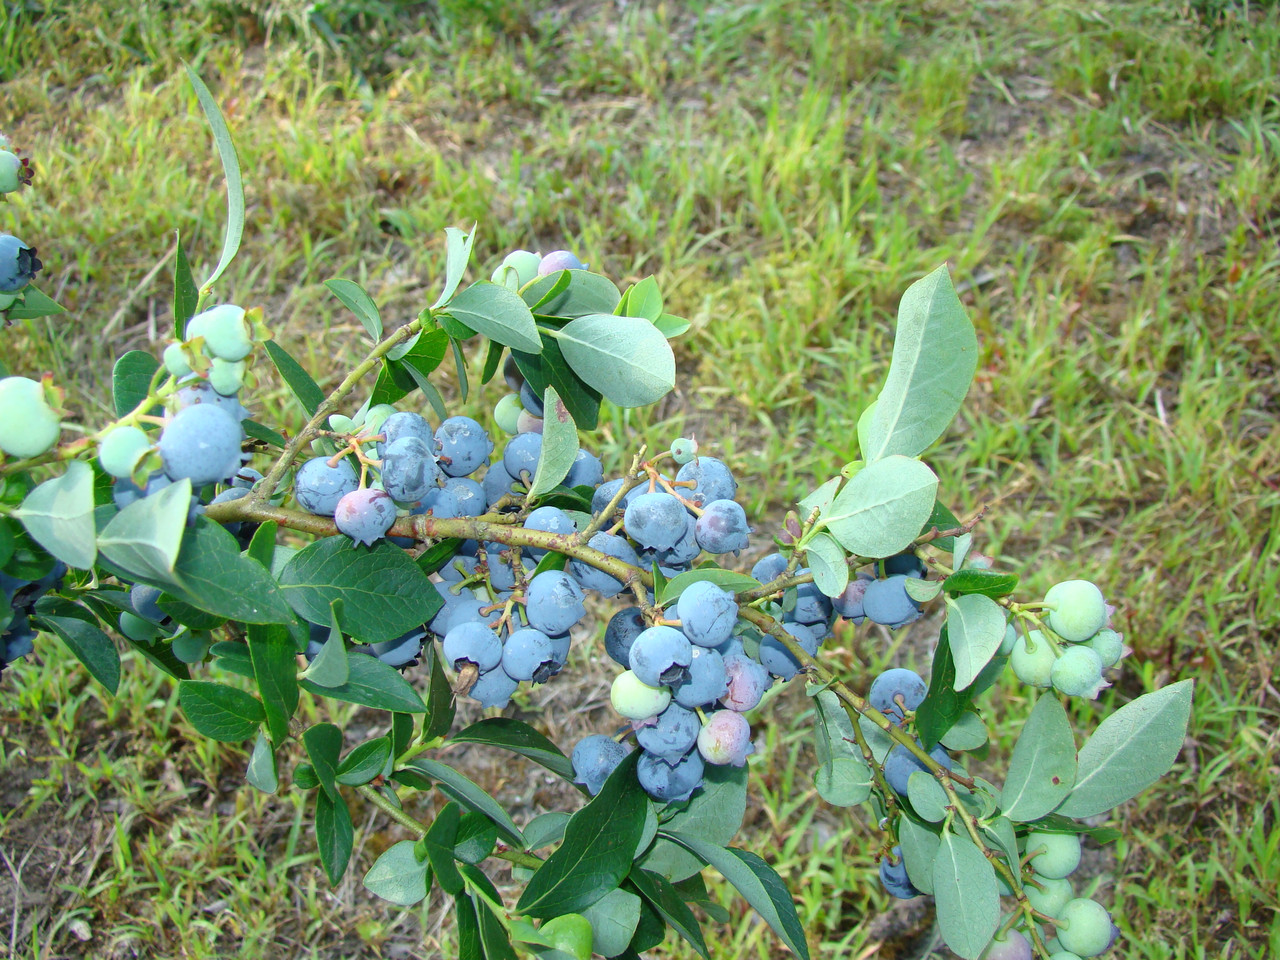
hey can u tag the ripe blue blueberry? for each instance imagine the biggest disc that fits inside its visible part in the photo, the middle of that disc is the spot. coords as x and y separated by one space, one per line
707 681
405 423
655 520
895 691
494 688
463 446
593 579
549 520
594 758
707 613
887 602
553 603
473 642
778 660
671 734
558 260
521 454
769 567
621 631
318 487
667 781
894 877
409 471
529 654
201 443
18 264
722 528
901 763
585 471
850 603
469 495
660 656
712 480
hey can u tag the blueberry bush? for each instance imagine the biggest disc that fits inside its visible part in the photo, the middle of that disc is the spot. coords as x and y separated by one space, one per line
375 559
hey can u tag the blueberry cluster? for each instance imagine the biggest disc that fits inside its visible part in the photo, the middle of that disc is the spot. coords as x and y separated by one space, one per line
20 596
1072 660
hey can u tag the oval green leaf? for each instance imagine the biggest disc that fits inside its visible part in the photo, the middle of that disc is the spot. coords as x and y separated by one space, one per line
627 359
880 511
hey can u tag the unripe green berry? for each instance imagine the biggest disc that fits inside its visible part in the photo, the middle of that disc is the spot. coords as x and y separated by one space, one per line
376 416
137 629
28 425
1108 645
175 361
1065 955
10 172
121 449
1051 896
1058 856
1078 673
635 699
226 332
517 268
1085 928
506 413
1034 666
1077 610
1010 638
683 450
226 376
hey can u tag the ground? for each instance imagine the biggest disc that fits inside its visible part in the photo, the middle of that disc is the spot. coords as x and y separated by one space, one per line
1102 181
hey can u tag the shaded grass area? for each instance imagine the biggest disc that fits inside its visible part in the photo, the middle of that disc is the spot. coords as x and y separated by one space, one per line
1102 181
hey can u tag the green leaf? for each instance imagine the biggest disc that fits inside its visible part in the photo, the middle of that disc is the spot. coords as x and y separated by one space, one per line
131 380
355 299
729 580
879 512
398 875
518 737
383 592
943 704
460 788
262 547
212 575
145 536
666 900
967 898
1000 831
33 305
627 359
493 936
919 848
827 561
842 776
1130 750
968 733
671 326
572 293
497 313
82 637
256 431
819 499
457 247
59 516
365 762
935 354
975 628
477 837
468 923
550 369
230 168
642 299
759 885
927 797
324 745
438 845
977 581
559 445
186 297
220 712
714 814
441 703
613 920
275 670
922 591
261 772
596 855
330 668
371 683
304 389
334 835
1042 769
942 519
545 829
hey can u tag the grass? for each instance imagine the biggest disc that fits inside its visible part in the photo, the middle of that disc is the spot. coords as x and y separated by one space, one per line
1102 180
